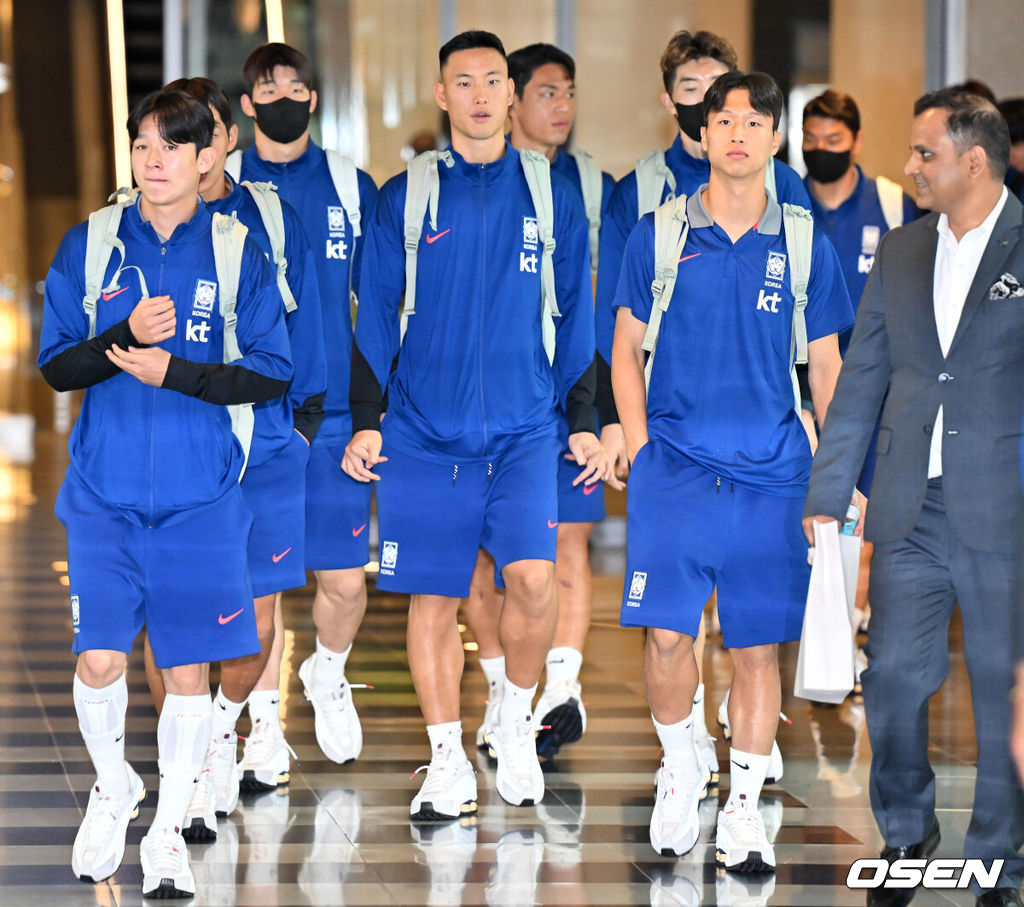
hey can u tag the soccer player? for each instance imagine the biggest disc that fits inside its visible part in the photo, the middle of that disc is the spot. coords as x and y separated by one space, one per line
280 98
466 456
720 460
156 522
542 114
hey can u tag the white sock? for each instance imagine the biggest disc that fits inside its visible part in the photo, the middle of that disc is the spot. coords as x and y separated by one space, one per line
447 736
677 742
563 666
494 671
747 772
183 737
516 704
101 713
700 726
225 715
265 706
329 667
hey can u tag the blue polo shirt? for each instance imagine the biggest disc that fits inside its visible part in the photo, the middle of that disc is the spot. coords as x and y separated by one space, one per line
855 229
721 392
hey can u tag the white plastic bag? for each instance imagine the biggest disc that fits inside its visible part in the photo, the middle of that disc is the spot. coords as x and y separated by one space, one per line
825 663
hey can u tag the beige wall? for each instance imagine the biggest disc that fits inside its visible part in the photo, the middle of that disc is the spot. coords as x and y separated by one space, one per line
878 56
995 34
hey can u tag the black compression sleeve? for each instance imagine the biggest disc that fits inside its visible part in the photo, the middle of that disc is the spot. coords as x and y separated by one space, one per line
579 404
308 417
603 396
364 394
86 363
221 383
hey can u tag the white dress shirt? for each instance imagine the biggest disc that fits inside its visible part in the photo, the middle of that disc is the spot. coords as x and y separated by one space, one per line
956 263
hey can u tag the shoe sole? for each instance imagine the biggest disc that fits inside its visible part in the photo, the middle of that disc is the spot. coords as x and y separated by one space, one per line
135 814
250 783
726 732
752 865
167 890
427 813
564 725
198 832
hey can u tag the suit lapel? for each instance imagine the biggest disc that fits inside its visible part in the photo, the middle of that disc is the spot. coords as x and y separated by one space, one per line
1005 237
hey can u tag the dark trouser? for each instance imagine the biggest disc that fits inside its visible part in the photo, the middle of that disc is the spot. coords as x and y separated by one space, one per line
914 585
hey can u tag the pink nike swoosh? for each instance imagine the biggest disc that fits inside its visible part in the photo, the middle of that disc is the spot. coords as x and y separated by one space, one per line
108 296
437 236
355 532
590 489
688 257
276 557
552 525
221 619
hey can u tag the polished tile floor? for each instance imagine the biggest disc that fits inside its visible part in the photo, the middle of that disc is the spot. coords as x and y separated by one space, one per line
340 835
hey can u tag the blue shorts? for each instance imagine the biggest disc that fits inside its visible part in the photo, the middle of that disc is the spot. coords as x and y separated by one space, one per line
435 517
337 511
579 504
275 492
686 534
186 582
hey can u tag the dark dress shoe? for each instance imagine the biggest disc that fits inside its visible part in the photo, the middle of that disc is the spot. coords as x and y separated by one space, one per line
900 897
1000 897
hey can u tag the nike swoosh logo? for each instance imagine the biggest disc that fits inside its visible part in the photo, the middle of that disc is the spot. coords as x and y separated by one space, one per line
119 739
745 768
590 489
108 296
276 557
688 257
355 532
437 236
552 525
221 619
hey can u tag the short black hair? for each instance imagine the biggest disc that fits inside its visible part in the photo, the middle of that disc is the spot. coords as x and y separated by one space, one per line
181 119
207 91
835 105
685 46
523 63
1012 110
469 40
973 120
974 86
265 58
765 95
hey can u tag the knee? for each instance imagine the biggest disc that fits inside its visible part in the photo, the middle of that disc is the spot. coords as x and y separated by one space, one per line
531 583
187 680
756 659
343 588
100 667
667 643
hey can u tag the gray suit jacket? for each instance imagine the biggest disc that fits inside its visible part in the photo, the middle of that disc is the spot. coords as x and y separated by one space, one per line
895 359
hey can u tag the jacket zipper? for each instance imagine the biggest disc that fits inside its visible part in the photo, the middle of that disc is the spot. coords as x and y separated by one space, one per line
152 413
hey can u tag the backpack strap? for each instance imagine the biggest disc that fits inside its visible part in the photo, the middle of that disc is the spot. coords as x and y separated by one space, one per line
233 165
799 230
269 204
890 197
591 186
228 244
537 170
652 174
769 179
671 228
101 241
346 183
421 191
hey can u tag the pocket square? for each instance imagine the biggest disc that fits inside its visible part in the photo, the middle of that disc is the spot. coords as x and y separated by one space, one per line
1007 287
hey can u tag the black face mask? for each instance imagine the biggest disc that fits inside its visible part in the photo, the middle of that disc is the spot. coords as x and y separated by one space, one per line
690 118
283 120
826 166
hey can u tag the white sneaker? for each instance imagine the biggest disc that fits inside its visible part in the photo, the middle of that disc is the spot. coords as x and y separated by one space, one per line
165 869
675 822
266 763
517 859
448 791
519 778
705 746
563 718
723 717
494 696
201 819
222 761
741 844
337 725
99 844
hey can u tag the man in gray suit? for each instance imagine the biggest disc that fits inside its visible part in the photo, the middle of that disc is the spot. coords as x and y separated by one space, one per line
938 348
